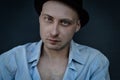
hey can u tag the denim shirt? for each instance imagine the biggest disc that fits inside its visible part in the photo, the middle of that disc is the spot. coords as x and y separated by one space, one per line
85 63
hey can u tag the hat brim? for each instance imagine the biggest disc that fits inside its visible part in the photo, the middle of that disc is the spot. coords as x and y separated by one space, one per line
84 16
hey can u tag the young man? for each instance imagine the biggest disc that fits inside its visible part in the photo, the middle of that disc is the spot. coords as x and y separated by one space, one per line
56 56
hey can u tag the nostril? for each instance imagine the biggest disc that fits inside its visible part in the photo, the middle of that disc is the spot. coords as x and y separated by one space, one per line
54 32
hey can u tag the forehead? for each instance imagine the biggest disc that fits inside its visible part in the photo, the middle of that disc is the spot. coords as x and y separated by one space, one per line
58 10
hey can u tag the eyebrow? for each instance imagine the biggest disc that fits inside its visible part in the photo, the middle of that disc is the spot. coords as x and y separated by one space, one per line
44 14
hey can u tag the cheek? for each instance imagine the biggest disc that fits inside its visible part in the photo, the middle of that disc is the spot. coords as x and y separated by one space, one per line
43 30
68 32
43 27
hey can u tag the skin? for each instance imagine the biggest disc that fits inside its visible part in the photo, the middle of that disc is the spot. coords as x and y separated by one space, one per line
58 24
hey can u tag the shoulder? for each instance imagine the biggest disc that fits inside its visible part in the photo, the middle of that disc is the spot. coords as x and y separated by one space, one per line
15 60
95 63
18 49
17 53
91 54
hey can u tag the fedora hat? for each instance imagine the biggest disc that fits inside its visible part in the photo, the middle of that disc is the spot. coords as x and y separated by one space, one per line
76 5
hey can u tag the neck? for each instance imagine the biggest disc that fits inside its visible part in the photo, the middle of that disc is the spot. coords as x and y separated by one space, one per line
55 54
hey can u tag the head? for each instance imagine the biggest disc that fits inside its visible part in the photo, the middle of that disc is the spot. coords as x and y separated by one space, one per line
58 23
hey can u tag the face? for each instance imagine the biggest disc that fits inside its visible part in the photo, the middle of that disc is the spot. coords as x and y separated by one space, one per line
58 23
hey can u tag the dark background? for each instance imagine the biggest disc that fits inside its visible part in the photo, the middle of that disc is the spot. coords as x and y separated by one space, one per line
19 25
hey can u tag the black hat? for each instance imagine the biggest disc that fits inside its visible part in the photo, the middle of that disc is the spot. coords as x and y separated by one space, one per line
76 5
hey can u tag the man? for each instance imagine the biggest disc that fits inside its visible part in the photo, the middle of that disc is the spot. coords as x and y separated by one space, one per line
56 56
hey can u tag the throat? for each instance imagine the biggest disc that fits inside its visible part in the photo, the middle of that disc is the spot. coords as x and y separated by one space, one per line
55 54
52 69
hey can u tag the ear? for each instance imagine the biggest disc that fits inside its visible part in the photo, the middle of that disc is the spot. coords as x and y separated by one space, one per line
78 26
40 16
39 19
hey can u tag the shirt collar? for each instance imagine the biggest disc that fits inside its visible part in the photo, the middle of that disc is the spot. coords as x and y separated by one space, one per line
76 53
34 52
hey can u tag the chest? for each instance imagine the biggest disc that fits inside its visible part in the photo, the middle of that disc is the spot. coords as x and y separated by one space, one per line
52 71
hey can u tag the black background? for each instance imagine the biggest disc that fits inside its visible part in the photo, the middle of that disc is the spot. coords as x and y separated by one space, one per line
19 25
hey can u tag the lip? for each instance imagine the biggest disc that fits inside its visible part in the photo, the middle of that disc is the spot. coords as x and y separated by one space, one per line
54 40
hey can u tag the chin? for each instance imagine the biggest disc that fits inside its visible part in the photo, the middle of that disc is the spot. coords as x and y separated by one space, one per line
54 47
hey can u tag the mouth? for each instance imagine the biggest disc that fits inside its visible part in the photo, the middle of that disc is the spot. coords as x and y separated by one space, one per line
53 41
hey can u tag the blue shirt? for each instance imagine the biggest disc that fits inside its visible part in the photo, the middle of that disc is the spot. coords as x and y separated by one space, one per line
85 63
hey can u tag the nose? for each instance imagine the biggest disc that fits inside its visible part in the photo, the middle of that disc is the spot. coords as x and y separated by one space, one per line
54 30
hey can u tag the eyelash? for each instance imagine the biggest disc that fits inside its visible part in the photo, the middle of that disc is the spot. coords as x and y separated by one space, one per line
65 23
48 19
62 22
